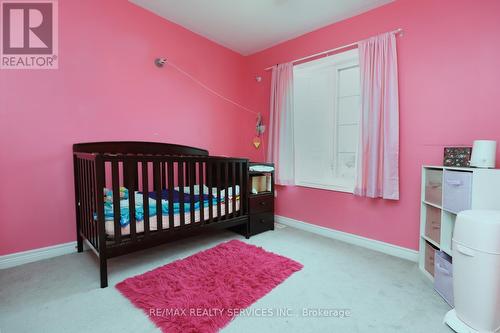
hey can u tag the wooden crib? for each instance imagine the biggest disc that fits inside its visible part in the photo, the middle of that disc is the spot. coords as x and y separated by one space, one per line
211 192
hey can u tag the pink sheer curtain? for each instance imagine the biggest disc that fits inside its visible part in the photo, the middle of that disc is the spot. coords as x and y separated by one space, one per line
378 152
280 149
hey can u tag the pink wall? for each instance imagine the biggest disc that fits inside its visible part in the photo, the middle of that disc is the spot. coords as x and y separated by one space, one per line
107 88
449 76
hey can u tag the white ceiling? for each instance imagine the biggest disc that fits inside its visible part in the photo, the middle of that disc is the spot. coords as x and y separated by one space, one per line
248 26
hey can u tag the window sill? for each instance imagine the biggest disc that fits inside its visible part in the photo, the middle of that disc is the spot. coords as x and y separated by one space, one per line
336 188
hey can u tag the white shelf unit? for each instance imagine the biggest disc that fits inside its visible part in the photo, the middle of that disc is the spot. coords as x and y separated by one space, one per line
446 191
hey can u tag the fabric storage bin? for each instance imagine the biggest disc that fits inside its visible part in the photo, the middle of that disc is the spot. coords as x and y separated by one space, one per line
429 258
433 223
434 186
443 276
457 191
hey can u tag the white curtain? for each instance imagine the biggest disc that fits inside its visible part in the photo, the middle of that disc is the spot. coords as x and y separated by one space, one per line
378 152
281 146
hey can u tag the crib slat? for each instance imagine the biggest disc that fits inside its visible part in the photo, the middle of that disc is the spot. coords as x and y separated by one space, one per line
100 184
163 176
241 180
180 172
226 190
92 204
210 194
201 191
115 180
171 185
192 180
131 198
96 206
218 184
233 184
131 205
89 202
244 189
157 186
187 173
83 201
145 196
77 202
82 197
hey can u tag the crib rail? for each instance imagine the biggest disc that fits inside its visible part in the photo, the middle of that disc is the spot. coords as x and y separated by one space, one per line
209 190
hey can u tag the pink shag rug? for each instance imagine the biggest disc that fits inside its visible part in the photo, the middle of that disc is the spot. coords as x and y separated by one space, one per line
204 292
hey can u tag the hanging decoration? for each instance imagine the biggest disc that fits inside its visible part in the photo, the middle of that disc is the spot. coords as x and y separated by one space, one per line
259 128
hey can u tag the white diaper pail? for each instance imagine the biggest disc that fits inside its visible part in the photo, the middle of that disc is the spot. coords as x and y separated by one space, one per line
476 272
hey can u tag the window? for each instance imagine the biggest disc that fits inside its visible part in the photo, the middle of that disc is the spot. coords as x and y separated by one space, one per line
326 121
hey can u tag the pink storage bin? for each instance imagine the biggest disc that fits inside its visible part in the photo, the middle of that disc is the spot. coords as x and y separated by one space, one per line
433 223
434 186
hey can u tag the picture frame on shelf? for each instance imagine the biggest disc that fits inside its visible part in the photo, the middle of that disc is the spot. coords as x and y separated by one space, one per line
457 156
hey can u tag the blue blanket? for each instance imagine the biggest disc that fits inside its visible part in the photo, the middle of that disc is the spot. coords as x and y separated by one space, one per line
139 208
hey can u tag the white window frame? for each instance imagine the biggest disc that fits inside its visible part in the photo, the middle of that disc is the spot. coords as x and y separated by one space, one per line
340 61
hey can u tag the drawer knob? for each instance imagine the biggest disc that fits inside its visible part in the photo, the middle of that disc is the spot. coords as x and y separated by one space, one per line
262 220
262 203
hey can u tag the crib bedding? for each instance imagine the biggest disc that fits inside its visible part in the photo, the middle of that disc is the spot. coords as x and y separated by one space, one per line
153 225
152 196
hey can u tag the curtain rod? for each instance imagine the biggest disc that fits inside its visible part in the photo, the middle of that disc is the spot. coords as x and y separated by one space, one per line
400 30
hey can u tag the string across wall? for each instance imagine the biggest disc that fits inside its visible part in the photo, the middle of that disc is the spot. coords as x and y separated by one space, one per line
160 62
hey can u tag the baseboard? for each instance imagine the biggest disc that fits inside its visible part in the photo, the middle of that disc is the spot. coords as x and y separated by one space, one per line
19 258
390 249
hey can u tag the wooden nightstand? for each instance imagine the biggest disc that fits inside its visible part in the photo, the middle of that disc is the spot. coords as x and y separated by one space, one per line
261 211
260 200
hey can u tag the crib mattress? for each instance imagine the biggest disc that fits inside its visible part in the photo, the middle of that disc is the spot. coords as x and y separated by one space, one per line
153 226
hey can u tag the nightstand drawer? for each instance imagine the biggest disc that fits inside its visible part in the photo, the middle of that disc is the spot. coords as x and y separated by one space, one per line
261 203
261 222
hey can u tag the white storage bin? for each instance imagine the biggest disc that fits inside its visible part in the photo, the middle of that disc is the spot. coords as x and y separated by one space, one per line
443 276
457 191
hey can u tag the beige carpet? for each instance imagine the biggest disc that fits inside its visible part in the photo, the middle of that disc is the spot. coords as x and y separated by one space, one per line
381 293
